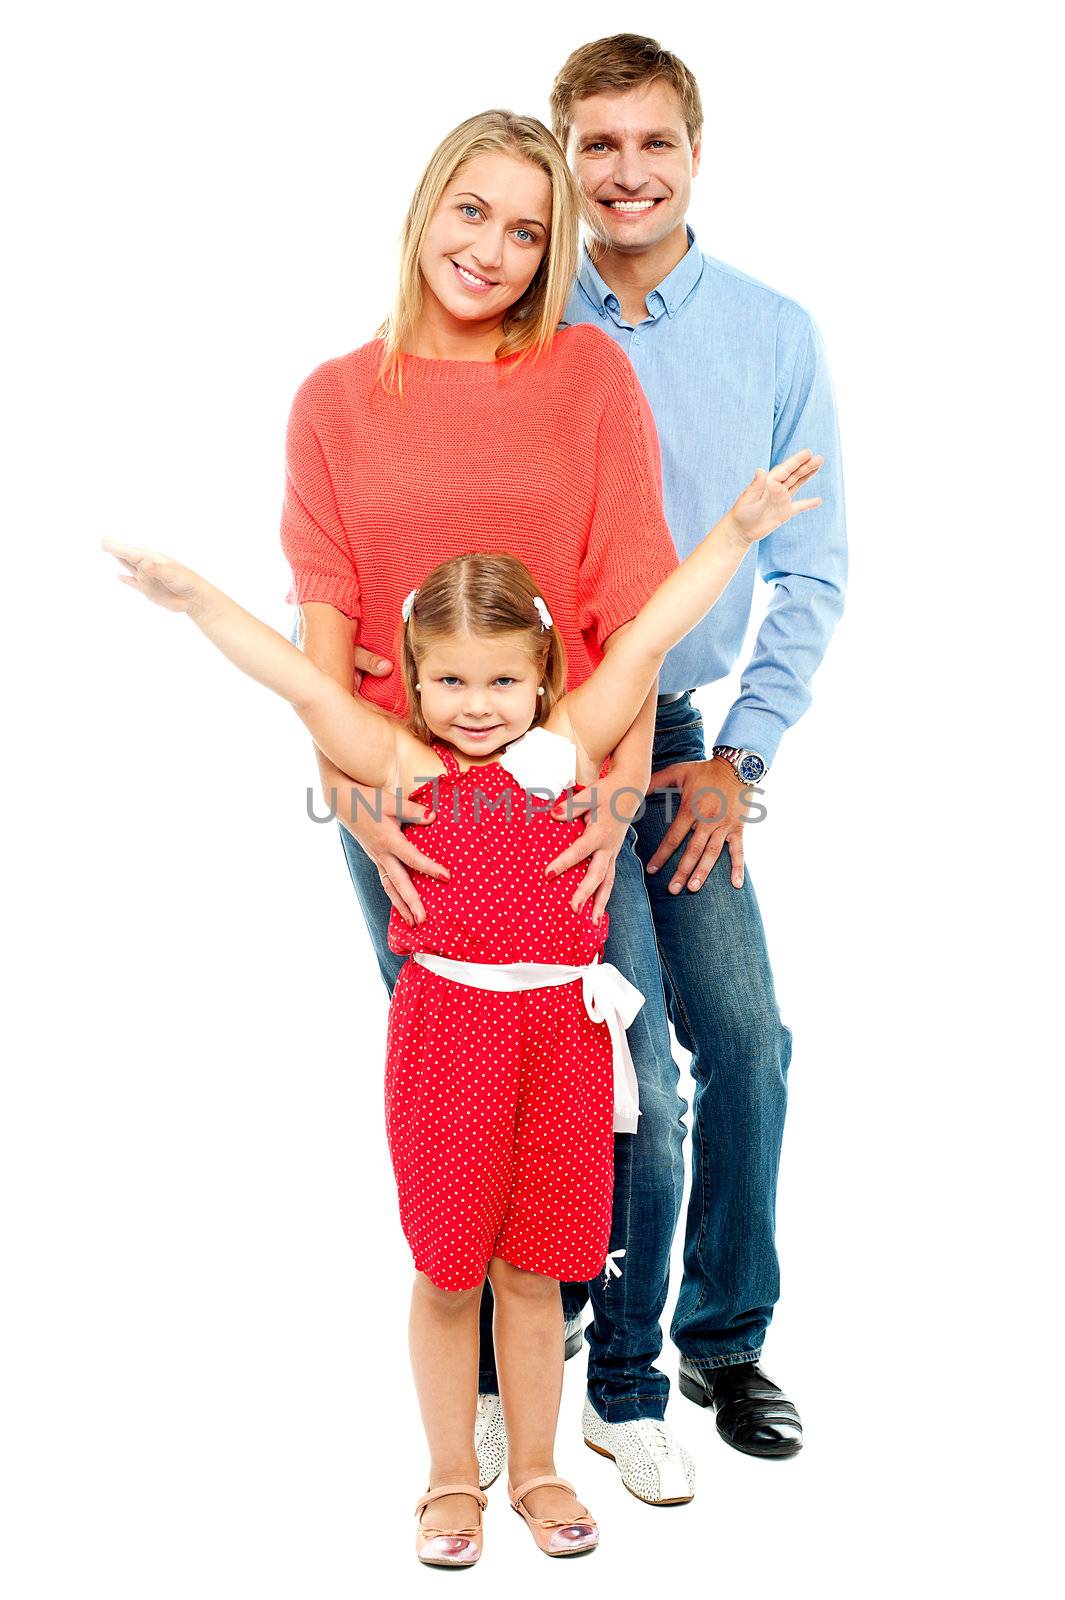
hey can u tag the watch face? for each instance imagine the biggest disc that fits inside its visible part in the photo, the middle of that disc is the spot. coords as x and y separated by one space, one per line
751 768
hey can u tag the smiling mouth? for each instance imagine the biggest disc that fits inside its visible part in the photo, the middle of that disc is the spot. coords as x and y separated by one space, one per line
474 279
477 732
632 208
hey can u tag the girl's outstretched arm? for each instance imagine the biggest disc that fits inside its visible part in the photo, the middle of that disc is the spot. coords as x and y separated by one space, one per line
352 734
604 706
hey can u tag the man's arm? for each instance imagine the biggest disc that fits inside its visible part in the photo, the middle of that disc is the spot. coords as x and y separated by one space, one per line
805 560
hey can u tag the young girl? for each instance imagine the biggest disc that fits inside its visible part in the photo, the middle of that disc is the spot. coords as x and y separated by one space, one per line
506 1034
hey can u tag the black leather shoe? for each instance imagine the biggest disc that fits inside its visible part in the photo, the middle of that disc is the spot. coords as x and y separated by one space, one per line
753 1414
573 1331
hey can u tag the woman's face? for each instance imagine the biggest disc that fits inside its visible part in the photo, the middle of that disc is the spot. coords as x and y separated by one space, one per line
487 237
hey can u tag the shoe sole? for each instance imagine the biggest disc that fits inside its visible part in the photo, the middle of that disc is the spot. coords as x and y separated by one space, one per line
677 1500
573 1343
696 1393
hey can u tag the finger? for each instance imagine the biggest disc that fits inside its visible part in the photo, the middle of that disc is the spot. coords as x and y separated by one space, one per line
123 579
367 661
688 862
397 901
591 880
805 505
418 863
577 851
784 469
575 806
395 882
735 850
603 894
672 840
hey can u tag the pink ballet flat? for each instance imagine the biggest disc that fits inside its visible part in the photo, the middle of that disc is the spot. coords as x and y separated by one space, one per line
450 1547
556 1538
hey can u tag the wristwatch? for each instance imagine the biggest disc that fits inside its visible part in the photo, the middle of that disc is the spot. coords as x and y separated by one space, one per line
748 764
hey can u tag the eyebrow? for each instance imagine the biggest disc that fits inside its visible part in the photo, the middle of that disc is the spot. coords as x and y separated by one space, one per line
612 133
535 221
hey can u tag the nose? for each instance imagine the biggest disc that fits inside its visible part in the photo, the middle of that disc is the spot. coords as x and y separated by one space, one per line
477 707
630 171
489 251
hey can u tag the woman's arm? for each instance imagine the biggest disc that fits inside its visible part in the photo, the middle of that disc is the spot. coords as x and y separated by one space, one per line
351 733
604 706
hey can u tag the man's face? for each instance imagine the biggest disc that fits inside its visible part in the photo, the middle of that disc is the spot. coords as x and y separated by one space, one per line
631 154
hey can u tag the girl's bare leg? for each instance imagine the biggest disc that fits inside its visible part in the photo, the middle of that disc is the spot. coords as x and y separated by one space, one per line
527 1329
443 1354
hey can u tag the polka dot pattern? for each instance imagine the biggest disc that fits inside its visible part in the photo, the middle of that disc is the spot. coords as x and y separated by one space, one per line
499 1106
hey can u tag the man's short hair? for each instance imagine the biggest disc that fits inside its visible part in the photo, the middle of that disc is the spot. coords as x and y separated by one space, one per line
621 62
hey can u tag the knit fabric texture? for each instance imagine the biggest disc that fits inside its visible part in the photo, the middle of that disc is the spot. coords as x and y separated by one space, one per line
554 459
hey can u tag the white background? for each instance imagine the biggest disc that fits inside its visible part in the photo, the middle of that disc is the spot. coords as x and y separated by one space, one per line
207 1390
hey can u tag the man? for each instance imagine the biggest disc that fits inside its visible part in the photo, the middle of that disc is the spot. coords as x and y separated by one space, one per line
735 374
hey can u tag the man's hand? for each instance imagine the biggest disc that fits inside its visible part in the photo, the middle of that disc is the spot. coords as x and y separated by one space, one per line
601 839
713 820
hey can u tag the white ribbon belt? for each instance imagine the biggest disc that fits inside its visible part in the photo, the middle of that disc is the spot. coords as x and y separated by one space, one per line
608 997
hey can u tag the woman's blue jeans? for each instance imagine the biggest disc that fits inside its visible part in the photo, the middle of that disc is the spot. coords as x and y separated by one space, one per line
700 959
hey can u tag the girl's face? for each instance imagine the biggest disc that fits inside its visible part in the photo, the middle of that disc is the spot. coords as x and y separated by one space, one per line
486 238
478 694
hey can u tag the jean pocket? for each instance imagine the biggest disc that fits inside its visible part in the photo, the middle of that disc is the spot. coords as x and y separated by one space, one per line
682 743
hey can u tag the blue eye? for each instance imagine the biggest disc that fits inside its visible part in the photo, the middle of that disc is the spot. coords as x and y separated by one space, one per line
530 237
466 206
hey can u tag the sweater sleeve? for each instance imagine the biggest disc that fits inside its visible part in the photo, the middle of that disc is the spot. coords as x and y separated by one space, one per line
630 549
313 537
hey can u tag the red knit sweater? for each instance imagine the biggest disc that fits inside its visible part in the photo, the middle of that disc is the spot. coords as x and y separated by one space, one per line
555 461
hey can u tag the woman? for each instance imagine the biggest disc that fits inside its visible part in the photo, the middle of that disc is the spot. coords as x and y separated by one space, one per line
474 423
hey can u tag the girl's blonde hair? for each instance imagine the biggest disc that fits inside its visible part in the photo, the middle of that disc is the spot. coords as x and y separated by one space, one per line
486 594
532 321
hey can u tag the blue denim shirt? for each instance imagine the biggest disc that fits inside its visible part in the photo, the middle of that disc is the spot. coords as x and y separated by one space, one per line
737 379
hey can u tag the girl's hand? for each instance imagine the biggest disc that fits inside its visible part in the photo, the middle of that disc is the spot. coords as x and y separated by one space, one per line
767 502
157 577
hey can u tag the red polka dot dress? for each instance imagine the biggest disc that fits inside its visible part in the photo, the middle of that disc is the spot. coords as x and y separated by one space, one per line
498 1106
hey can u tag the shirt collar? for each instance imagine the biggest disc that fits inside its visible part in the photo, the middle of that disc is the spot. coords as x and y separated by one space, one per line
669 295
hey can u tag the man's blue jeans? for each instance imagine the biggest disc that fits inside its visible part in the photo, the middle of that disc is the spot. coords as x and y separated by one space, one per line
700 958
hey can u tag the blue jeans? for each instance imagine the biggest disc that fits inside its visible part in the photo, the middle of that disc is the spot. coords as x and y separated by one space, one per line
699 958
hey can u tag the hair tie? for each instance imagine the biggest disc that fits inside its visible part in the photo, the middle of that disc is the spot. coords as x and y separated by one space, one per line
408 605
546 620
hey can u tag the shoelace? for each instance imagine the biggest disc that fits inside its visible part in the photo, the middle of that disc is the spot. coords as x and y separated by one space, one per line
655 1436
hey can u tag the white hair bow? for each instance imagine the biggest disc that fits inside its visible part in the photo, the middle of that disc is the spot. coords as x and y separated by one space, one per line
546 619
408 605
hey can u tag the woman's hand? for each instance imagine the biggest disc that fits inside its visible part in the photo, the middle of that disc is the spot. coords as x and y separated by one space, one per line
602 838
384 841
766 503
158 578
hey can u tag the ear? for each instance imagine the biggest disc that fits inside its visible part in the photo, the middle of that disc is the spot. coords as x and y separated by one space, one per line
697 152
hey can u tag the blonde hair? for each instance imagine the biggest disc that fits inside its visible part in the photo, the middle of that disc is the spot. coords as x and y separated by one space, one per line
623 61
487 594
532 321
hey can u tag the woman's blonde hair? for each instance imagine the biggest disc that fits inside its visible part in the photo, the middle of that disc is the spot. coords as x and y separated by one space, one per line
533 320
486 594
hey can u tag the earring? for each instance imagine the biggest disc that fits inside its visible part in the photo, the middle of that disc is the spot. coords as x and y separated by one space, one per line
540 690
417 685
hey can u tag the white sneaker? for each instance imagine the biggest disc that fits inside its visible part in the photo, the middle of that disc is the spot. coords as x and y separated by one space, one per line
489 1438
654 1466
